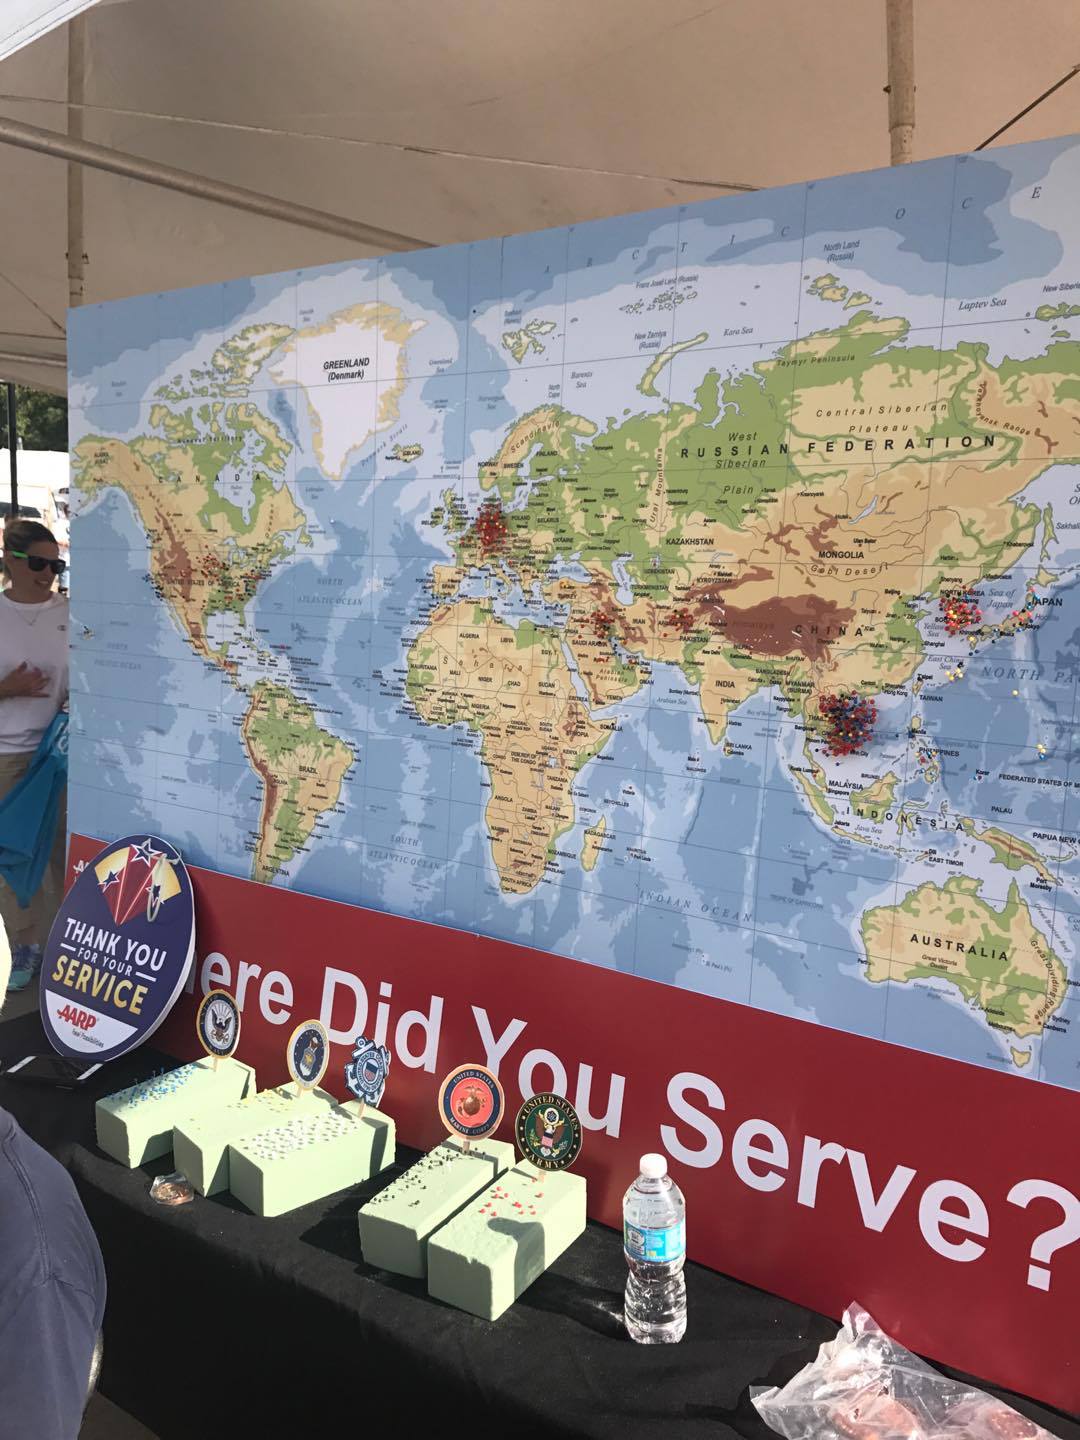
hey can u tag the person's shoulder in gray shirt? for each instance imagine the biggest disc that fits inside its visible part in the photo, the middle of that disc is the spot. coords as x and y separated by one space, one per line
52 1288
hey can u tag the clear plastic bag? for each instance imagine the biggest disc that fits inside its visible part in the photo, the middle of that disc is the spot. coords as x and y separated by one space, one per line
865 1386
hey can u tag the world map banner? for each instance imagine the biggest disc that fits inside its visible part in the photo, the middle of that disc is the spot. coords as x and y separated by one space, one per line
691 595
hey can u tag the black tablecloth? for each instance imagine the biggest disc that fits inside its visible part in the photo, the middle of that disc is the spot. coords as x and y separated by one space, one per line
220 1323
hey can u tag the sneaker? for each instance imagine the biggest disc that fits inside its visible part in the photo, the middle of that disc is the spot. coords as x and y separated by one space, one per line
25 964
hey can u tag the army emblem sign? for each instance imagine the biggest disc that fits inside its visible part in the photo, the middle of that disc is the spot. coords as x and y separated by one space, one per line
548 1132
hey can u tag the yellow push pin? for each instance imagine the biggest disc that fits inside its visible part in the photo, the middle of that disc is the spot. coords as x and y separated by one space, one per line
1016 692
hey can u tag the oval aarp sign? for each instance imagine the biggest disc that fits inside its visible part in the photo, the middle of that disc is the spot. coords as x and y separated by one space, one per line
119 951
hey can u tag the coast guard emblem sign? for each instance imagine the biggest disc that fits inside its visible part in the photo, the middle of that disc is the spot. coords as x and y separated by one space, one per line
119 951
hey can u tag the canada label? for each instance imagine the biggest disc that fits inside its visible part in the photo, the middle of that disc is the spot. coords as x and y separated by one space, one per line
119 950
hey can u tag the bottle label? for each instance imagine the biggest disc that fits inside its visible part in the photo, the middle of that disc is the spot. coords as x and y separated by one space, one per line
661 1245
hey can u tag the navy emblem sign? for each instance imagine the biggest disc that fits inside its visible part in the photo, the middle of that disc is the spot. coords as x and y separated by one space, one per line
218 1024
119 950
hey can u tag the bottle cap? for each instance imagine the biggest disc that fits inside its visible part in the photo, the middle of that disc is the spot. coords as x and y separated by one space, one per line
653 1167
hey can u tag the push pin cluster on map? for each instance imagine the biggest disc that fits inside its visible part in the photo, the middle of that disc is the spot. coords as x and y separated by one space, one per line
849 722
491 530
960 612
601 622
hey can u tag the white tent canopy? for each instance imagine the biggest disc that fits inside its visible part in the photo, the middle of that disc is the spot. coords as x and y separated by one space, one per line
459 119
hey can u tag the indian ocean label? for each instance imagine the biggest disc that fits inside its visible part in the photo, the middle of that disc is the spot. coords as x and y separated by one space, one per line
119 950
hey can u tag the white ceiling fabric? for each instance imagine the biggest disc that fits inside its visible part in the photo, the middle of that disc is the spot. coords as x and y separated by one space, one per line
22 21
451 120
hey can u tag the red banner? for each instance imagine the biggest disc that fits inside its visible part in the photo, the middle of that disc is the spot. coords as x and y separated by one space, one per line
816 1164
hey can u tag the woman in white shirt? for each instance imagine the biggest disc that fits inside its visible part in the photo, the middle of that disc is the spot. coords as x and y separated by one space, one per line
33 687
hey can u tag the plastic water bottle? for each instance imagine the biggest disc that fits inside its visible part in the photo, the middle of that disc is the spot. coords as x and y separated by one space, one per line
654 1239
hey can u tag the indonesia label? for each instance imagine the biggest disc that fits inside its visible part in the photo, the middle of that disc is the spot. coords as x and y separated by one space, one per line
119 950
660 1245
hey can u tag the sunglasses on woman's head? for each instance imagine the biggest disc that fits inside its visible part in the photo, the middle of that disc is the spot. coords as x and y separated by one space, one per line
39 562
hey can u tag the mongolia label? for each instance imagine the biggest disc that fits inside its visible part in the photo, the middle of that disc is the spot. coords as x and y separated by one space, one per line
119 950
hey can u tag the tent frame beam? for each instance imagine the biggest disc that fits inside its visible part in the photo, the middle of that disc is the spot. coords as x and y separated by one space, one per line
76 245
900 48
133 167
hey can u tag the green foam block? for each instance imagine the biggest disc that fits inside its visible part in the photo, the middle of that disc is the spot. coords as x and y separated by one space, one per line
201 1142
493 1250
136 1125
395 1224
309 1157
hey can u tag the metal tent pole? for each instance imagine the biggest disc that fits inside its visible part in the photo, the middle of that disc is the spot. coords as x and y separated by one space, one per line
133 167
76 258
900 45
13 446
